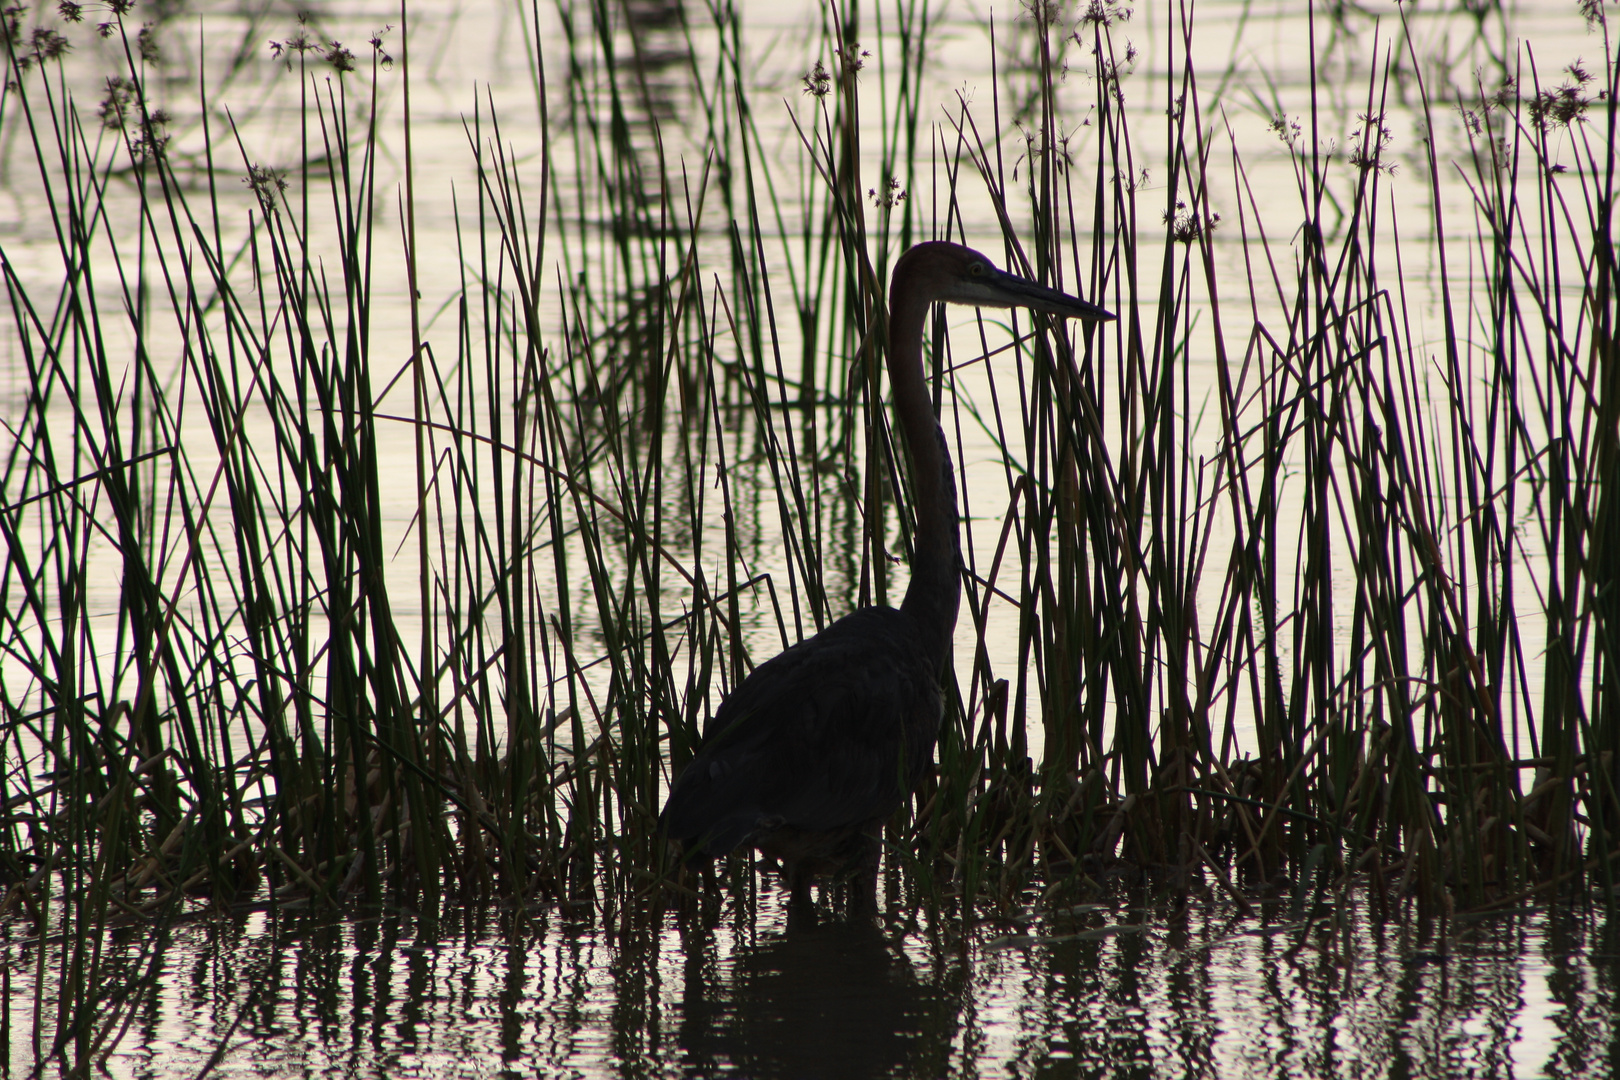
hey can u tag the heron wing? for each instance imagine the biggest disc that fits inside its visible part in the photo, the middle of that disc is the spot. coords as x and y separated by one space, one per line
833 732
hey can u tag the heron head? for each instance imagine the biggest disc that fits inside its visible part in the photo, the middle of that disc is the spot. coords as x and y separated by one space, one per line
960 275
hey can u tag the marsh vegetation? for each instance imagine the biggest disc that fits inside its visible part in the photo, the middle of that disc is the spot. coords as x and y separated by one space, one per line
1298 581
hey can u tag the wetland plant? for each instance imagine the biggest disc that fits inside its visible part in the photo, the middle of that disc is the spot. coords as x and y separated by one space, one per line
1342 619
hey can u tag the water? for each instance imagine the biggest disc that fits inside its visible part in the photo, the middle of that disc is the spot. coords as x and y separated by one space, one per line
1129 988
477 57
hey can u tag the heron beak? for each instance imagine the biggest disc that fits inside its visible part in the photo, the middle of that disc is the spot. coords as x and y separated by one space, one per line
1021 292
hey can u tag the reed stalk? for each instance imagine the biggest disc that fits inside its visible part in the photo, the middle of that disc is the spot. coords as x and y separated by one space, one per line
1341 620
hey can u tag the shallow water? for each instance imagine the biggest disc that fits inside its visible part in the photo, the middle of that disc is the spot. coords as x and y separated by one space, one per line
1131 988
1137 987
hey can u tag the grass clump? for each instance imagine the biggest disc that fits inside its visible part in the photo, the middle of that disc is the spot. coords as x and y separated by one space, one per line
1299 596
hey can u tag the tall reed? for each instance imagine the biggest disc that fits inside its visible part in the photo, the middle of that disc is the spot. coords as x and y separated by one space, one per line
1343 618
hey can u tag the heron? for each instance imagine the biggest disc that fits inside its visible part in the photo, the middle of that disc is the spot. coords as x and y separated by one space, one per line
809 756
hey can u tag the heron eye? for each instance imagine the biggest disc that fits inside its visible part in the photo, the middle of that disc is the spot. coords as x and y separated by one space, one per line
977 269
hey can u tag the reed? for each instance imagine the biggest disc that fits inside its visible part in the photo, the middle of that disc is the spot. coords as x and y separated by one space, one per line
1343 621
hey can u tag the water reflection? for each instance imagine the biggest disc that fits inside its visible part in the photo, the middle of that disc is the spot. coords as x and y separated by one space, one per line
831 1000
1140 987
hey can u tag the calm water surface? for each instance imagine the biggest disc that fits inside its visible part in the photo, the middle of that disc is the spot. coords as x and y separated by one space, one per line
1125 989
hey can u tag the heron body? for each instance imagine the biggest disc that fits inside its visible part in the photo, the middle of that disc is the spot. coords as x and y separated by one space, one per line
814 750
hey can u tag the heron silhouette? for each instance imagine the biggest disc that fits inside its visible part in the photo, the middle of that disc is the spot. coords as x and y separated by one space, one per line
814 750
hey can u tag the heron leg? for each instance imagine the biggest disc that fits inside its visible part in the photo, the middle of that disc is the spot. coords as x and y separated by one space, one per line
798 879
711 898
801 911
863 886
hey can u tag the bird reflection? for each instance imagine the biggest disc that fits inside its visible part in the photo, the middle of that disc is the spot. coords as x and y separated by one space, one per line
835 1000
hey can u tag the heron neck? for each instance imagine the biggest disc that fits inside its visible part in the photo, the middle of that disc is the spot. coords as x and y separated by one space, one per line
935 590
